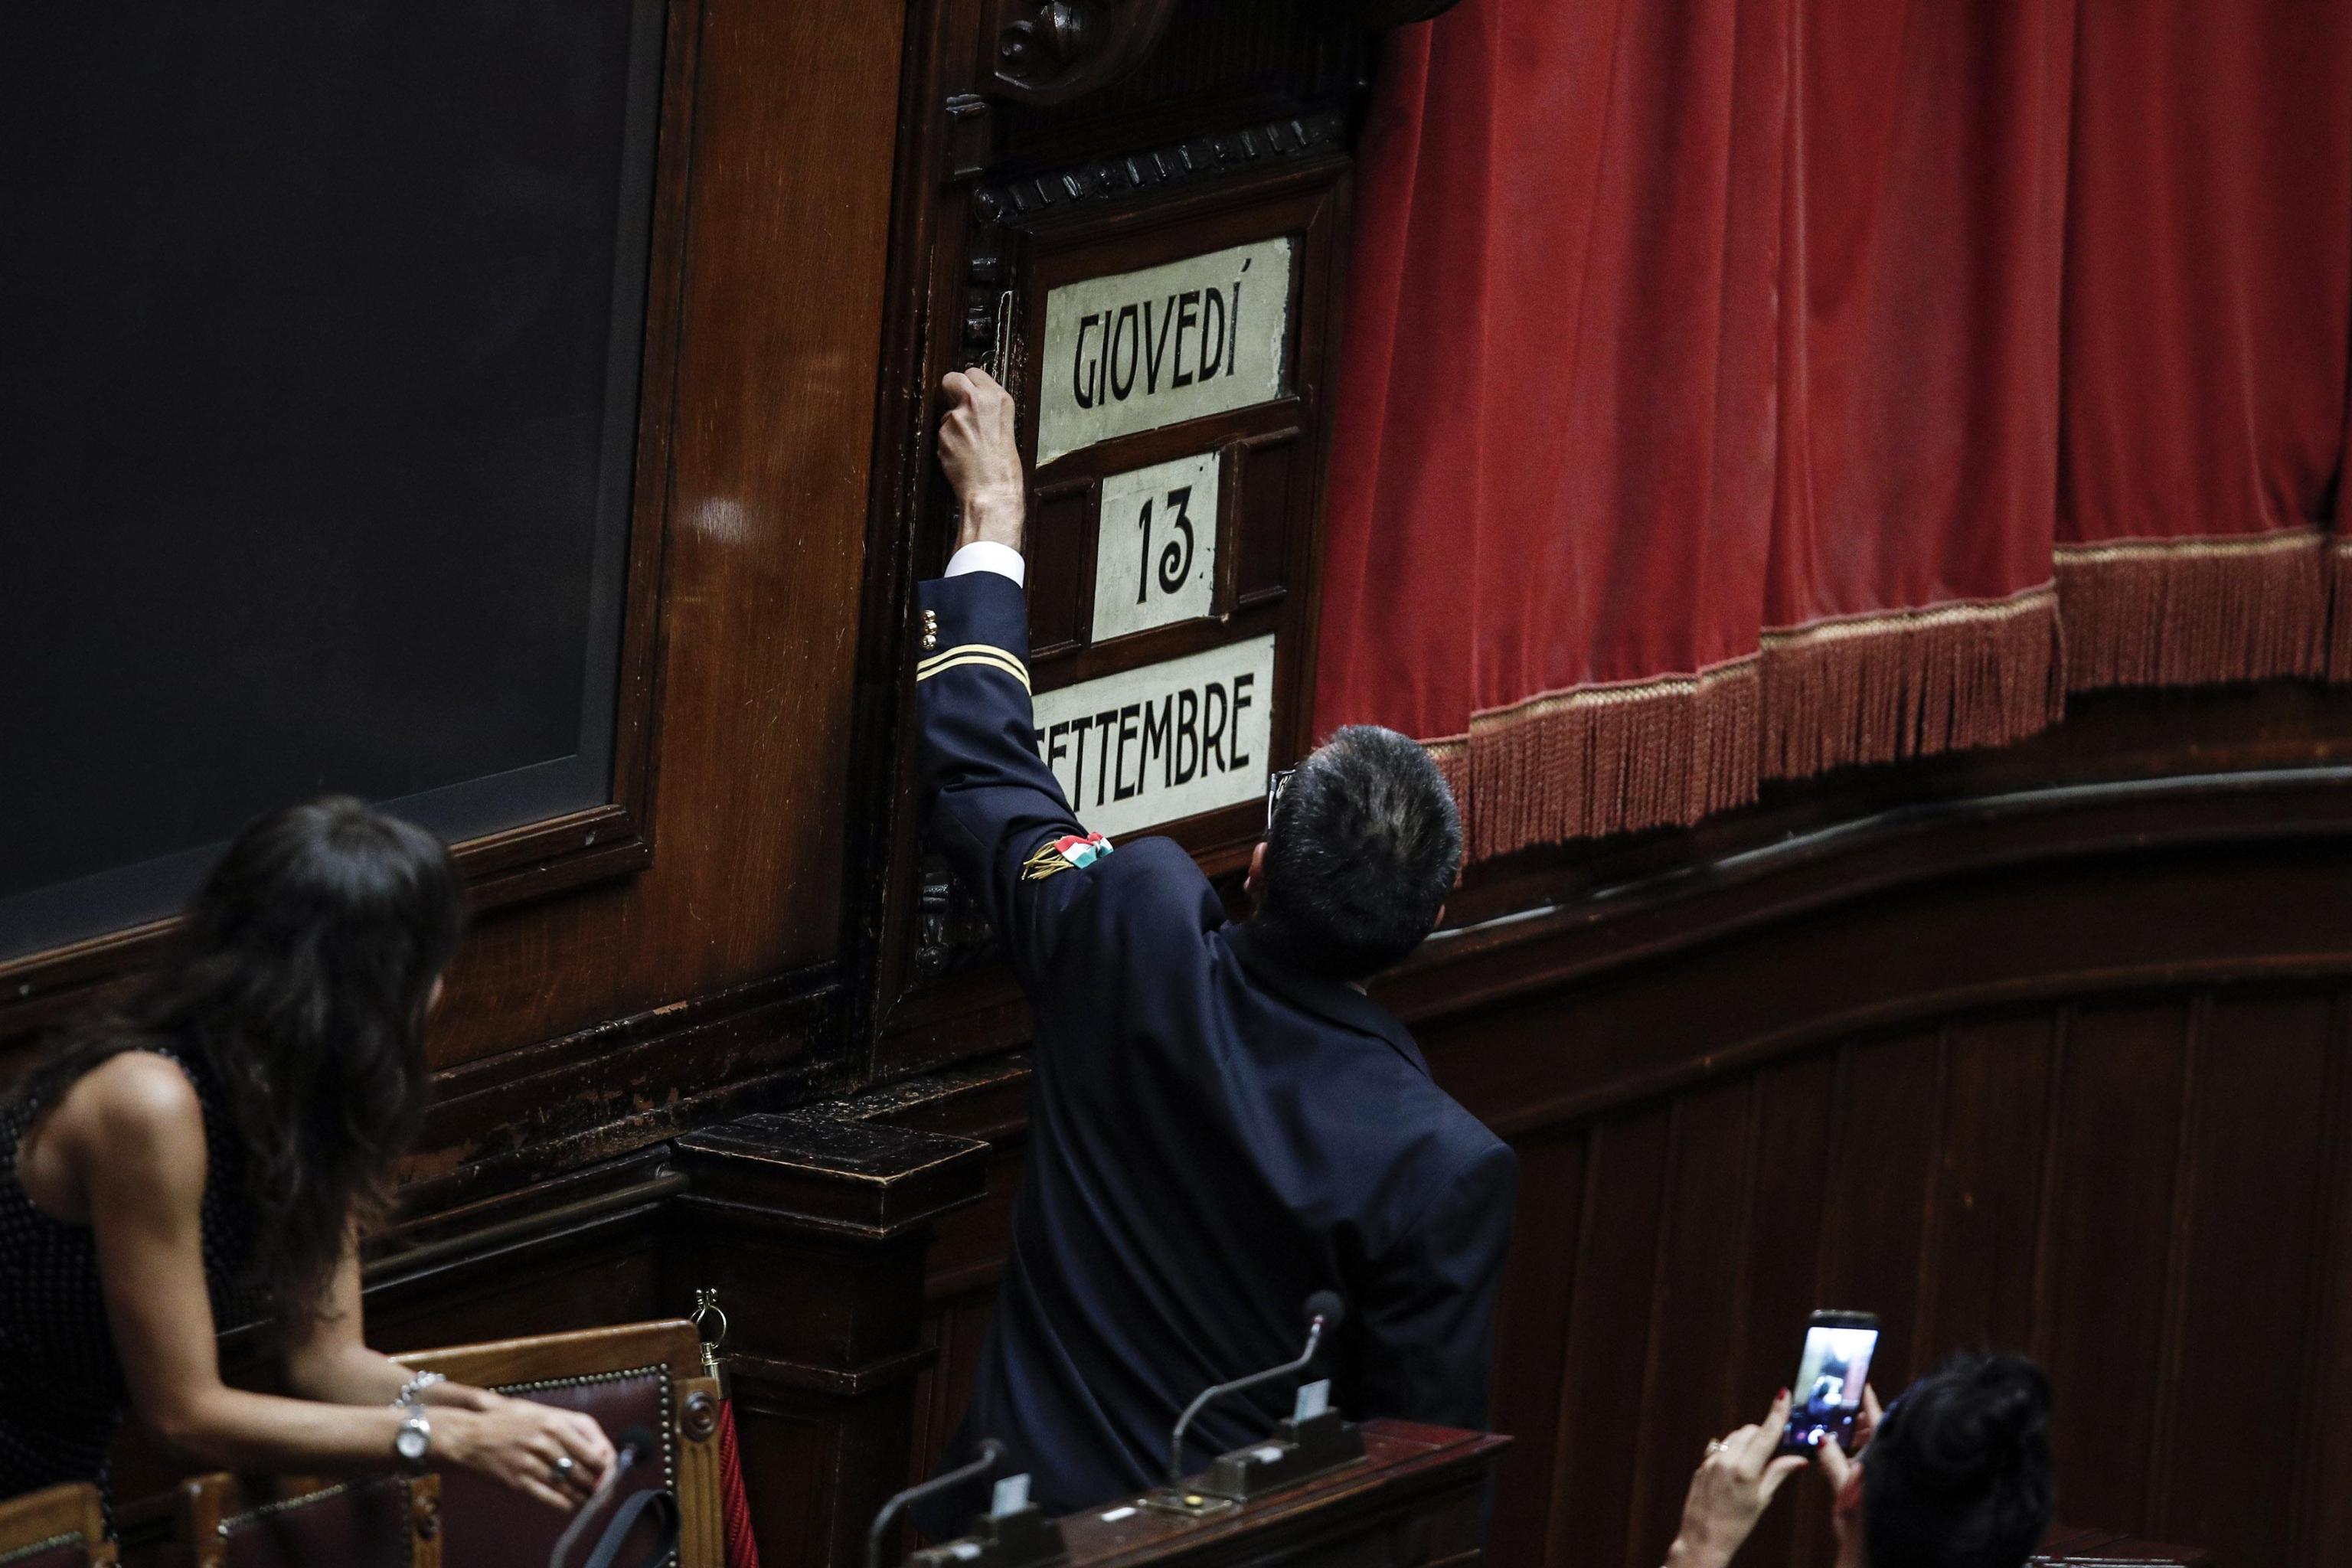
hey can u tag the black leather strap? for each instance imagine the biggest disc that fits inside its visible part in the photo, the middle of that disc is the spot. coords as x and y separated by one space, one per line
662 1503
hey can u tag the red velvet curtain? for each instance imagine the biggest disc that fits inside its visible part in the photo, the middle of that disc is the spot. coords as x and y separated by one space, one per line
1742 388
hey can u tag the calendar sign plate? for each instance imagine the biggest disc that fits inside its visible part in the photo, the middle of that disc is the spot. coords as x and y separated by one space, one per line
1156 546
1169 740
1136 350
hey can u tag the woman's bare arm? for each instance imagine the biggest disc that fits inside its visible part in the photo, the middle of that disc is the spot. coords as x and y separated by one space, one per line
327 1358
133 1133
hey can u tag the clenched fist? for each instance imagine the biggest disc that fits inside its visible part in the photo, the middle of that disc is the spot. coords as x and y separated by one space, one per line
982 459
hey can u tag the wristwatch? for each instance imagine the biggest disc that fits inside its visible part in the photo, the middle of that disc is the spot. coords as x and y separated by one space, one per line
413 1444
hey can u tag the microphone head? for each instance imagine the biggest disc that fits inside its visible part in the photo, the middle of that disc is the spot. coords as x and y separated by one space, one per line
1327 1306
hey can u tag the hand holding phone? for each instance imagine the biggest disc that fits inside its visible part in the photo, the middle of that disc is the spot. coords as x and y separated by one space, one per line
1832 1377
1734 1485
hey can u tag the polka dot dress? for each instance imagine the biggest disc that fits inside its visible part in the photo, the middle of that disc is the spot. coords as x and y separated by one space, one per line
61 1388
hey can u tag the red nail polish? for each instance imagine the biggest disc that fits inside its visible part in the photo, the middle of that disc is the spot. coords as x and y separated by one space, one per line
1783 1394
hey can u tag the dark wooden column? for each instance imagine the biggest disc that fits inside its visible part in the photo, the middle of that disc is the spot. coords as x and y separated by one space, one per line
815 1233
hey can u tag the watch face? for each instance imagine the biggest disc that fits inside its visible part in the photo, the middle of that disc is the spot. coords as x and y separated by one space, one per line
411 1442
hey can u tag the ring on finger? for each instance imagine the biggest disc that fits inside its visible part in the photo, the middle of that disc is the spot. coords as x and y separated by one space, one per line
1714 1445
564 1465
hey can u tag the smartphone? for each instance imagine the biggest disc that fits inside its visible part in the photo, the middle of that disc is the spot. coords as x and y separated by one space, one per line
1827 1394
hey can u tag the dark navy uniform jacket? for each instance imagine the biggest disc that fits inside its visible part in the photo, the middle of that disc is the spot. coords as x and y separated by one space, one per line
1213 1137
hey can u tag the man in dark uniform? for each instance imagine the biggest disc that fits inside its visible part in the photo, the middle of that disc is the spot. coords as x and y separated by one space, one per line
1222 1122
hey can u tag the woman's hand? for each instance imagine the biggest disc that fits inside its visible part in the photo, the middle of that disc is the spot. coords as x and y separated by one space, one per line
523 1445
1729 1492
460 1396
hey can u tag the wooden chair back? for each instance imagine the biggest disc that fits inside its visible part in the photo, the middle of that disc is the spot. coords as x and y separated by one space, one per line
58 1527
383 1521
636 1374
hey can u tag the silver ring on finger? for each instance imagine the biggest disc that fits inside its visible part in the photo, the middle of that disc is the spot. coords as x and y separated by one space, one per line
564 1465
1714 1445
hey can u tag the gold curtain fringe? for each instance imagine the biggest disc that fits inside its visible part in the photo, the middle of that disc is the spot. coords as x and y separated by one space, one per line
2340 599
1613 759
1876 689
1452 756
2199 612
1883 687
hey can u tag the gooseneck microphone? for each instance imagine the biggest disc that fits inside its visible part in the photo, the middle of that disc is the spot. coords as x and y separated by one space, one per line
1324 1313
991 1453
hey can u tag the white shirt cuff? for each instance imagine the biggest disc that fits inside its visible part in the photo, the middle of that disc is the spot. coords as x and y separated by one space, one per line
987 556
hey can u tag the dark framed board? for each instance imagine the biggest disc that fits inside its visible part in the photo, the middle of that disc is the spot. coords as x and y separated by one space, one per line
1169 370
1167 321
329 340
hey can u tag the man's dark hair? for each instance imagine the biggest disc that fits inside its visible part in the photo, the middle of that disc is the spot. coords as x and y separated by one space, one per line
1959 1473
1361 851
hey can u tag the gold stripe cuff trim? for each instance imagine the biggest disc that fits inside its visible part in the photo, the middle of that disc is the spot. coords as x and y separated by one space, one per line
990 649
976 654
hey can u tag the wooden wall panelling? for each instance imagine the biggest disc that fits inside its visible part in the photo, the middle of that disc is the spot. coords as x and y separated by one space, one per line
2106 1242
1530 1337
1885 1120
1609 1338
1788 1196
1987 1209
2248 1256
1695 1301
2322 1513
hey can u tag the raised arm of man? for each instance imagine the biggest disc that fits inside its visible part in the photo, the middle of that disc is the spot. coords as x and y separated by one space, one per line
996 810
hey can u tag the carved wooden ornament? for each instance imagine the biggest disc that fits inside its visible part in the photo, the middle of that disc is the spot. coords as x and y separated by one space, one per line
1052 52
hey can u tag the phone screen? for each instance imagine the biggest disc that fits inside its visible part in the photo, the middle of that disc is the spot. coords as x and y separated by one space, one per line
1827 1394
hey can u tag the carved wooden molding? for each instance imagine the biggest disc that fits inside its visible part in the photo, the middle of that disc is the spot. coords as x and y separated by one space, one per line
1135 174
1050 51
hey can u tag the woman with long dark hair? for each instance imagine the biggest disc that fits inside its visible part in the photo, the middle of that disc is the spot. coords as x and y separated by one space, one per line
207 1152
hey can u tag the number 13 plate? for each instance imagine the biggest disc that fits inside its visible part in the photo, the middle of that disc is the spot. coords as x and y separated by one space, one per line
1156 546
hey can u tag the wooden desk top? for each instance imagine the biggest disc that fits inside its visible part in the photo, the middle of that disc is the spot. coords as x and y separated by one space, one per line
1403 1464
2072 1543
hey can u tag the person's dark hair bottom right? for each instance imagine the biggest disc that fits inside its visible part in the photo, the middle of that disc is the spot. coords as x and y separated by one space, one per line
1959 1473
